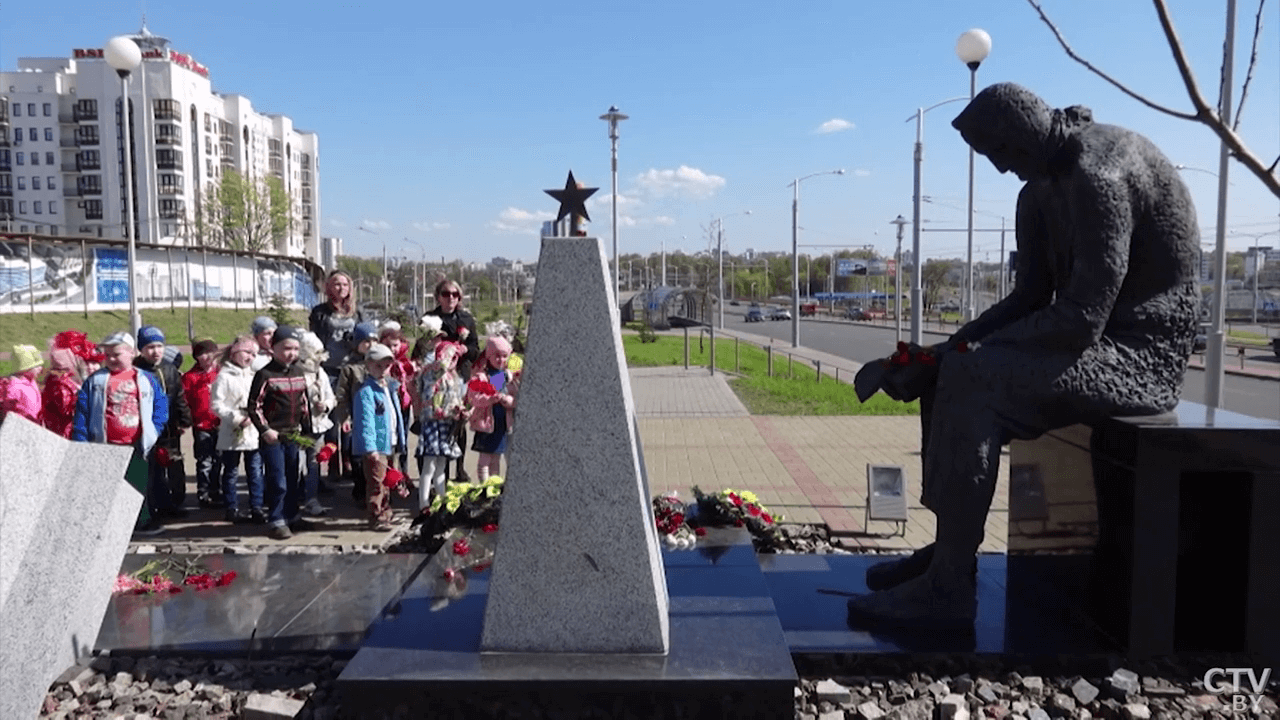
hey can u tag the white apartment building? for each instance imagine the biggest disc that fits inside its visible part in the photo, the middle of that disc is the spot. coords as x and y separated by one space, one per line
61 149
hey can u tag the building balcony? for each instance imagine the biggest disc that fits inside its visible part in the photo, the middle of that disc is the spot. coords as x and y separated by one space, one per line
70 192
169 190
306 212
169 140
169 164
6 192
68 118
86 115
226 137
5 166
89 190
168 114
4 141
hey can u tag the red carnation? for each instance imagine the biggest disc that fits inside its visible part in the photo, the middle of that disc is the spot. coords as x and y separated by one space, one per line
733 498
450 573
490 528
737 522
753 509
767 518
461 547
962 346
481 567
677 520
225 578
326 452
393 478
699 531
928 359
481 386
162 456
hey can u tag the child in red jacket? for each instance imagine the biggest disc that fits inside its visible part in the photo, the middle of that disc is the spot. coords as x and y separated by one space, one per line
196 384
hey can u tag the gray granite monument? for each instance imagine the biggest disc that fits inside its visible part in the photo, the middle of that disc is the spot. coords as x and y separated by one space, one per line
66 516
577 568
1099 324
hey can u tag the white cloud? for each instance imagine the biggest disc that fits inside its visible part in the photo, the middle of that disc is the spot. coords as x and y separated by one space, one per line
515 220
834 125
426 226
684 180
606 201
335 222
862 172
375 224
663 220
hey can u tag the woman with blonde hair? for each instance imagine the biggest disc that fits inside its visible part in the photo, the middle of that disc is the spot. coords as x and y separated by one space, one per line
334 321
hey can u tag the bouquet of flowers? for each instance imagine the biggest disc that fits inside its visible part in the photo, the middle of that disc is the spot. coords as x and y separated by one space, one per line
736 508
905 375
397 481
305 442
481 395
326 453
168 576
463 505
670 515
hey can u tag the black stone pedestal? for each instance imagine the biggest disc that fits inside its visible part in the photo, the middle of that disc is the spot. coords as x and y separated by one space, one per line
728 656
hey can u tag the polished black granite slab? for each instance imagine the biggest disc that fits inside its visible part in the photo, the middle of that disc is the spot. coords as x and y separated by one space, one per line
727 650
277 603
1018 610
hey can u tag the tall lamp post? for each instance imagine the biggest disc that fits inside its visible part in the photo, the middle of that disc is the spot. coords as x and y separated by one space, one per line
972 48
613 117
897 277
917 305
720 261
795 253
124 56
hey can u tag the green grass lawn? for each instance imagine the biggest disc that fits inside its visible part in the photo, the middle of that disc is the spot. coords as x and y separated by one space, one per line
1245 337
792 390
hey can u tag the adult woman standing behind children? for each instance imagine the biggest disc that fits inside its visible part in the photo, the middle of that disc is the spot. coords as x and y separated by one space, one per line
457 325
334 322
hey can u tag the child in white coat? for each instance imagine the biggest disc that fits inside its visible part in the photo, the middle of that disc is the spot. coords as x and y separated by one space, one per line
237 436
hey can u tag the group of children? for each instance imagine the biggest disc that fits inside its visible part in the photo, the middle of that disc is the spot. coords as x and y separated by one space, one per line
269 400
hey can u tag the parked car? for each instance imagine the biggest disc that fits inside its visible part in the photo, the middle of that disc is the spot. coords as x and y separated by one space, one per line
1201 343
808 309
1275 346
780 314
755 315
856 313
734 302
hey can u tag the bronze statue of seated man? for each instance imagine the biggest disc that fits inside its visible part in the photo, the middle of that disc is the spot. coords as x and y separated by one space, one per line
1100 323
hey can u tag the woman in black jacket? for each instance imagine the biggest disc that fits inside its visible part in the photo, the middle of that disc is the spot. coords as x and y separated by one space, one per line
459 327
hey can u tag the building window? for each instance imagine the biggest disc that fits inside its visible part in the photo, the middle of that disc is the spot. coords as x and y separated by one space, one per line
208 123
48 109
31 109
6 209
87 135
17 135
53 207
22 182
35 158
33 134
86 109
52 185
39 229
22 207
48 158
93 209
37 207
170 183
35 183
89 184
208 167
20 157
48 134
17 109
6 159
88 160
168 134
172 208
169 159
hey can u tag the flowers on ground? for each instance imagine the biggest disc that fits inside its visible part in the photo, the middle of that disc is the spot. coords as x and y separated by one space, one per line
168 576
681 524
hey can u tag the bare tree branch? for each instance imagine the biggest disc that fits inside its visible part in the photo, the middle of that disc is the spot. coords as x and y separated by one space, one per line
1204 114
1253 62
1072 54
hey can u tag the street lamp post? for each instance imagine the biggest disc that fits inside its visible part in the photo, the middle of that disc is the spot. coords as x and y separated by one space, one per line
972 48
613 117
897 278
124 56
917 306
795 254
720 261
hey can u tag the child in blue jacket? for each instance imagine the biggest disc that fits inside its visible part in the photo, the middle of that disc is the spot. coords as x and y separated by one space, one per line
377 429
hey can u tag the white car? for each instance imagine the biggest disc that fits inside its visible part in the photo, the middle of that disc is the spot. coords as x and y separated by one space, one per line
780 314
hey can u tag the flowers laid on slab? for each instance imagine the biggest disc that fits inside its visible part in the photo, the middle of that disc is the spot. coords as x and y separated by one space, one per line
168 576
680 525
669 514
465 552
465 505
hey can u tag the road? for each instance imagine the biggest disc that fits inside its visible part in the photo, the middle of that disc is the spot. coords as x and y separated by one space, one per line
864 343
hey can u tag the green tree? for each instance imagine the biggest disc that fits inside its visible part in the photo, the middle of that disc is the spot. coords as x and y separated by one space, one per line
243 214
933 280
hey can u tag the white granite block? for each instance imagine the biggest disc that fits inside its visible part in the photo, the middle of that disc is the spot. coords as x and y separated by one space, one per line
578 568
66 516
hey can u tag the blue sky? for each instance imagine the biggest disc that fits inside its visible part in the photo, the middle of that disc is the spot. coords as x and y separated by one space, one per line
444 122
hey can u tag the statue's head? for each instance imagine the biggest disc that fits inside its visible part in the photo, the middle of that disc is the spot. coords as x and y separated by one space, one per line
1012 127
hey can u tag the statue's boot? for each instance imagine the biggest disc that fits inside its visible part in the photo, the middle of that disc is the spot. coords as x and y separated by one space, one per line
892 573
944 596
